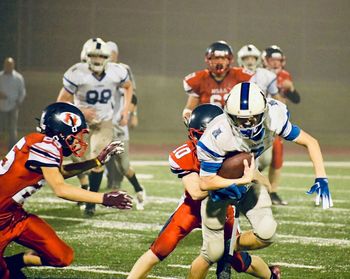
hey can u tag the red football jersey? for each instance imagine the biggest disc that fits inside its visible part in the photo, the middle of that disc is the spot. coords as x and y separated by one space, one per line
202 85
281 77
20 170
183 160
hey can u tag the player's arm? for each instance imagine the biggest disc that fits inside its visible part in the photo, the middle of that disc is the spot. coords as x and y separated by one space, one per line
192 103
113 148
127 102
133 121
290 92
65 96
191 184
66 191
215 182
54 178
314 150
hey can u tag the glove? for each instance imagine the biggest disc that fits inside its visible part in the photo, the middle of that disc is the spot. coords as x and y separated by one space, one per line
114 147
322 190
232 192
117 199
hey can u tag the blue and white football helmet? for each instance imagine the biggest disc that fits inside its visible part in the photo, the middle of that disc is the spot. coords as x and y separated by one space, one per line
246 107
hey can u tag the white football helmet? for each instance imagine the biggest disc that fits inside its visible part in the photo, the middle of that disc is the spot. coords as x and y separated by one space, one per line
97 54
246 108
83 55
114 51
249 50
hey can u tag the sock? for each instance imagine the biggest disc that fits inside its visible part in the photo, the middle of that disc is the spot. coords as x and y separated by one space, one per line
95 179
135 183
15 261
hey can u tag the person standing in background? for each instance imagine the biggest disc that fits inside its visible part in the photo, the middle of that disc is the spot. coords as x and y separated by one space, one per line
12 94
119 167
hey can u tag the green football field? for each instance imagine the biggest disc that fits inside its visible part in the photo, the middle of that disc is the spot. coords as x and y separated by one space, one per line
311 242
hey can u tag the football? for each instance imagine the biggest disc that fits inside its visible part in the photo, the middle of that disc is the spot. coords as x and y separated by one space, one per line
233 166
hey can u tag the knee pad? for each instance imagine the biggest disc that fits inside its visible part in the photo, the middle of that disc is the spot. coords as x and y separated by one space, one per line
266 229
240 261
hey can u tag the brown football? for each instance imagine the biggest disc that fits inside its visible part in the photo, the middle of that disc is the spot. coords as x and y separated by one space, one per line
233 166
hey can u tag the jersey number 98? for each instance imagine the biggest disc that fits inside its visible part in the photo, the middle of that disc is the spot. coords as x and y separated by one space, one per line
93 96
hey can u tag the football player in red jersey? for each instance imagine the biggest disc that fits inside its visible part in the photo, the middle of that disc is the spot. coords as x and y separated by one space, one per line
35 158
275 61
213 84
184 163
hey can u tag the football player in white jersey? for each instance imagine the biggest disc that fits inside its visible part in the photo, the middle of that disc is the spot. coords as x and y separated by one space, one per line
249 57
250 123
92 86
119 167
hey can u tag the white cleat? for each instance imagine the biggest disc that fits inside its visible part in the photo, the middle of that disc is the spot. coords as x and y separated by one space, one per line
140 200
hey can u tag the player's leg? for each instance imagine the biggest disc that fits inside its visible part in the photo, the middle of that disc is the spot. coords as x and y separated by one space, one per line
48 248
124 165
99 136
276 170
199 268
256 206
114 175
213 221
252 265
181 223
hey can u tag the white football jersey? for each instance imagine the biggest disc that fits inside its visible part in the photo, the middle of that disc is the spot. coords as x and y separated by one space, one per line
98 93
266 80
220 139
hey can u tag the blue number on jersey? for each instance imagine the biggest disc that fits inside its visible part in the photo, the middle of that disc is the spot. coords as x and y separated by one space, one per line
93 96
258 151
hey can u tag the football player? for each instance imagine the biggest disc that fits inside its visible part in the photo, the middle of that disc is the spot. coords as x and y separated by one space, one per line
92 86
213 84
275 61
120 166
184 163
250 123
249 58
37 158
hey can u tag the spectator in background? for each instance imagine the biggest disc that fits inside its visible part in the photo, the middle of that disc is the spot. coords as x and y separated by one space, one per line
119 167
12 93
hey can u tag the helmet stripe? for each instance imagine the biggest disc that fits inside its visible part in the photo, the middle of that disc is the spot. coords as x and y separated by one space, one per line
98 46
245 96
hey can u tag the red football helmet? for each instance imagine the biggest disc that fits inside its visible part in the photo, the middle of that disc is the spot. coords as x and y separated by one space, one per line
219 57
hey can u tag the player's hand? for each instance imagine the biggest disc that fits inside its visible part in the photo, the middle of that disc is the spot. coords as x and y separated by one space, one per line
114 148
124 118
288 85
89 113
232 192
248 174
321 189
117 199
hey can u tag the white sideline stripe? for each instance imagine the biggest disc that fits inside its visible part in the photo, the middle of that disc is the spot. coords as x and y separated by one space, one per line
330 164
145 176
306 188
99 269
299 265
318 241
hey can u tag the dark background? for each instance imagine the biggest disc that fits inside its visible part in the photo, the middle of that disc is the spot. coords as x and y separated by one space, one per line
165 40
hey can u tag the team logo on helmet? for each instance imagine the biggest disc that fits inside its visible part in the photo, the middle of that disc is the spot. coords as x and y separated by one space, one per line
70 119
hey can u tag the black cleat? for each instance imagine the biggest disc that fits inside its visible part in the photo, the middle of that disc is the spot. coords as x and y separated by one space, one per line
276 199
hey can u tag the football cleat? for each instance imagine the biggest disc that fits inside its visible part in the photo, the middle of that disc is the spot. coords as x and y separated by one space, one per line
140 200
277 200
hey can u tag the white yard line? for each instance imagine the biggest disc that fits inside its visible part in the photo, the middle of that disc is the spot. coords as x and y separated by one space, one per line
100 269
330 164
298 265
318 241
305 175
313 224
